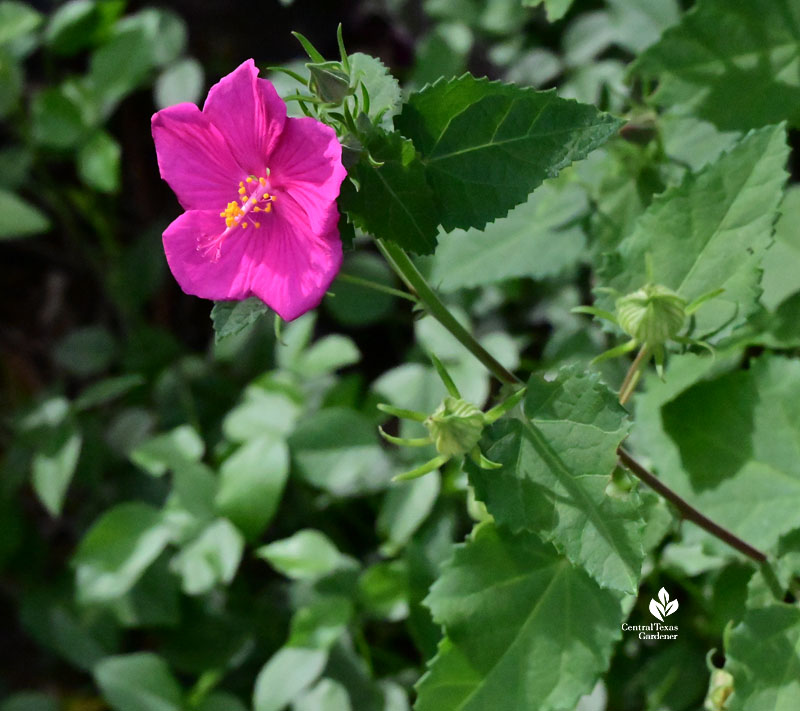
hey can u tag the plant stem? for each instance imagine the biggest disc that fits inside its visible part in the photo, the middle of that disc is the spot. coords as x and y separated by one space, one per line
402 264
358 281
406 270
633 375
687 510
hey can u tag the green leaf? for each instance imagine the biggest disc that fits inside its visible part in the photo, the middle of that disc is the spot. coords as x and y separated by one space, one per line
16 20
231 317
763 654
639 23
308 554
57 121
29 700
487 145
251 484
325 695
732 447
735 63
107 390
556 9
118 548
320 624
327 355
405 507
221 701
537 239
79 24
709 232
337 449
181 81
556 466
10 83
138 682
211 558
266 408
393 200
168 450
382 87
54 464
18 218
357 305
86 351
286 675
781 263
509 604
383 590
99 163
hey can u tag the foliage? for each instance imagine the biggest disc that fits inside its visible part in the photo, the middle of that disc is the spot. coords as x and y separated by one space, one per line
198 522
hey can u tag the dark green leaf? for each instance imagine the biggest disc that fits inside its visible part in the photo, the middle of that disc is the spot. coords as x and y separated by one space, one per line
57 121
487 145
393 200
79 24
99 162
54 464
168 450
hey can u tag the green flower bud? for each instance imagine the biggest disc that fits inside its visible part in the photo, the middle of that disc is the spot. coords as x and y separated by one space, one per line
329 81
720 689
652 315
455 427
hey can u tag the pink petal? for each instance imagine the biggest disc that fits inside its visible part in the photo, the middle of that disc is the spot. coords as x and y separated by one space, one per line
307 164
292 269
194 158
249 113
196 273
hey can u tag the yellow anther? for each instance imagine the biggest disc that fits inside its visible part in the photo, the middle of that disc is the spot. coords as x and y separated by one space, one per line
268 208
244 224
256 209
250 178
242 191
241 183
257 224
273 197
262 180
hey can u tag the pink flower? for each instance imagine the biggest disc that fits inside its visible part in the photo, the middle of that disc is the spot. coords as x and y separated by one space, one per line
259 190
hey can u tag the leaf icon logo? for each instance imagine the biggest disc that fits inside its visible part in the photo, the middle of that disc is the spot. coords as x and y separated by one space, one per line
663 606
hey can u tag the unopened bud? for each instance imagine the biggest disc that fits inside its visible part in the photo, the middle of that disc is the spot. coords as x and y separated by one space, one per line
455 427
330 82
720 689
652 315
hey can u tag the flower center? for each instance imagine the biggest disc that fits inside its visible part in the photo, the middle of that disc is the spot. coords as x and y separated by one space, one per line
255 198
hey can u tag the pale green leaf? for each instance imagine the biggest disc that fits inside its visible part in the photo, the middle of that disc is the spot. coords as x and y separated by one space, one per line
306 554
16 20
781 263
326 695
251 483
337 449
179 82
639 23
286 675
557 464
54 464
763 654
510 605
735 63
211 558
168 450
138 682
535 240
99 162
556 9
382 87
709 232
118 548
266 408
18 218
487 145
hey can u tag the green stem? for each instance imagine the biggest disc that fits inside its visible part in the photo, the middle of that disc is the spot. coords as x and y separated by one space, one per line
400 262
411 276
358 281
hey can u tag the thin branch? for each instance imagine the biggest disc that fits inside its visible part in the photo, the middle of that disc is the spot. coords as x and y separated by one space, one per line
687 510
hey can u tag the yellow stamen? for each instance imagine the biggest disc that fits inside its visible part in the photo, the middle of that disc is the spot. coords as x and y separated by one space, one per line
244 224
257 224
262 180
268 208
256 209
250 178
